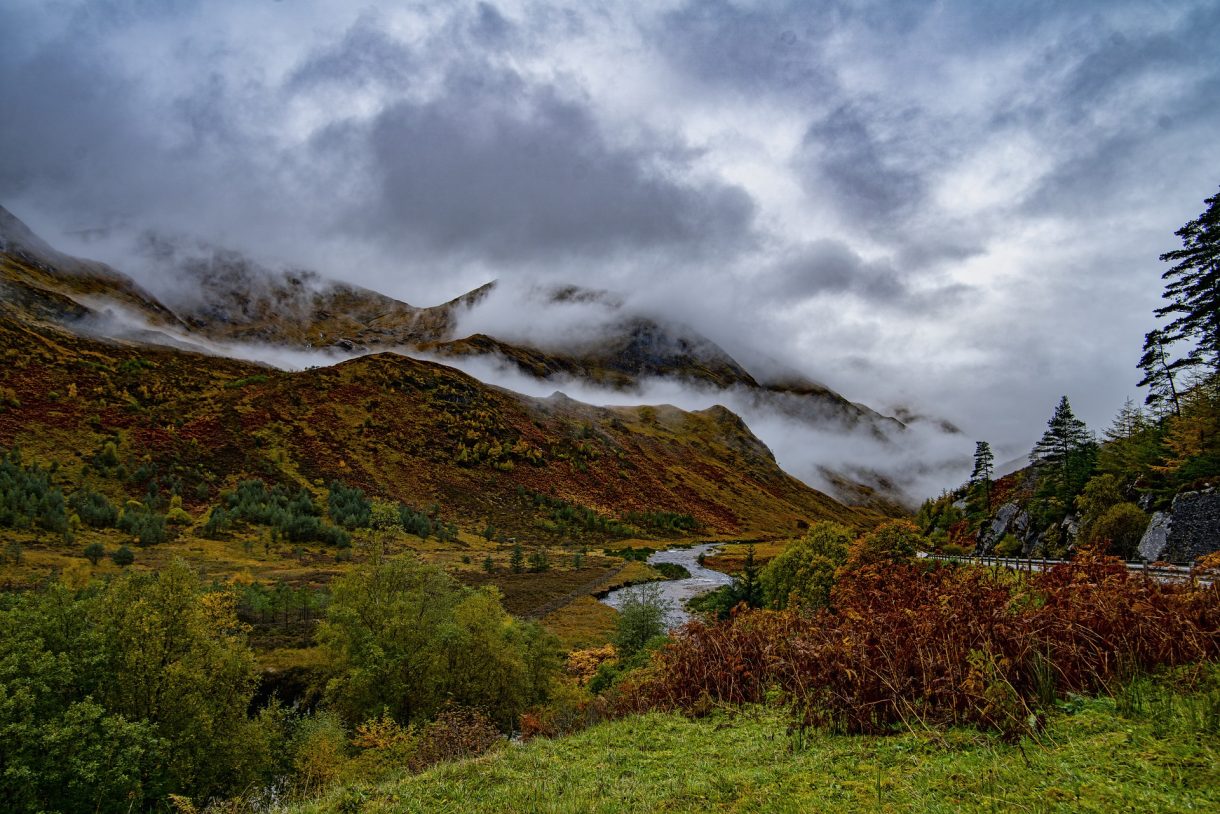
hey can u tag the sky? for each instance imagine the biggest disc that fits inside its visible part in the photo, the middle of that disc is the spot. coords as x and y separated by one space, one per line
952 207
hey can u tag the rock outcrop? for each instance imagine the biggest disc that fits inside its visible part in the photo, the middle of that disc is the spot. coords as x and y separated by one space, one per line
1009 519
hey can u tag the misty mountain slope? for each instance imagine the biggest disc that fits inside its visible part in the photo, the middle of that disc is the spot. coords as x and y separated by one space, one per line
222 302
228 297
39 282
405 429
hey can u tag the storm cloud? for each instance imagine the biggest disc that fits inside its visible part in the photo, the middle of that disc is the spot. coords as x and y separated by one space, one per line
953 207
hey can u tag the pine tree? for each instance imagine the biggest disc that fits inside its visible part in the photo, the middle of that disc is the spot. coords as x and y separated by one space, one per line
980 477
748 587
1193 287
1065 454
517 559
1160 373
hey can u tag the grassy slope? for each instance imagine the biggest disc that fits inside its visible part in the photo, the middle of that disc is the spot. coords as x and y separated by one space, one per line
1090 760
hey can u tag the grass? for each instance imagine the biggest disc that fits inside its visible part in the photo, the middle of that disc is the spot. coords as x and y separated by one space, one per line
584 622
1092 757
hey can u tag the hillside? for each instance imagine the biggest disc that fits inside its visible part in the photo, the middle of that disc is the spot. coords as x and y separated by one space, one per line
224 303
750 761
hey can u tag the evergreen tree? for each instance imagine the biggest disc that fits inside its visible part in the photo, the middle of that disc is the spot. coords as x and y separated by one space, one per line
1193 287
1160 372
1065 455
748 588
980 477
517 559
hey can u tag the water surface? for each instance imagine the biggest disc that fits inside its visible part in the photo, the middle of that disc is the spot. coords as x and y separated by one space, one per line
677 591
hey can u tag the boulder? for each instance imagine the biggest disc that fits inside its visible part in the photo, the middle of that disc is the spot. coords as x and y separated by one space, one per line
1156 537
1195 529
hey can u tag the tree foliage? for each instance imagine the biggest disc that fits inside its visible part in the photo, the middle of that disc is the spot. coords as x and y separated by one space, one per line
113 697
1193 287
405 638
804 572
1065 455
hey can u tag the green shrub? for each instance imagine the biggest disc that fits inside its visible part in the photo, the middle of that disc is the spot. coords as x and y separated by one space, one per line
123 556
348 506
804 572
94 552
93 508
28 500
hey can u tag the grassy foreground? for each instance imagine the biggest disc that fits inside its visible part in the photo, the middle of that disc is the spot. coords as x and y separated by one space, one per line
1162 753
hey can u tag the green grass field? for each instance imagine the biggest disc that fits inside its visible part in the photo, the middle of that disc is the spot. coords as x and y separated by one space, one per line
1161 753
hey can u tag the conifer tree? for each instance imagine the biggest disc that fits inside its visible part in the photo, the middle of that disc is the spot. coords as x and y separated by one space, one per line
749 588
980 477
1160 373
1193 287
1065 454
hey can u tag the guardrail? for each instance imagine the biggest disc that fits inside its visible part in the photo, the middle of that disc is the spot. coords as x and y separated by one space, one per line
1161 573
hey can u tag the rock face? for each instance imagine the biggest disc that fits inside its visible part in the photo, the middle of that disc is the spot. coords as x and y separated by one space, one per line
1009 519
1195 527
1156 538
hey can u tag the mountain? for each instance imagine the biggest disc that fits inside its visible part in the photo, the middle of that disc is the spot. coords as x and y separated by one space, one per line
220 299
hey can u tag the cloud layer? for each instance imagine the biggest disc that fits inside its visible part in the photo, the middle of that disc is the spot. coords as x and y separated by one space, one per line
952 206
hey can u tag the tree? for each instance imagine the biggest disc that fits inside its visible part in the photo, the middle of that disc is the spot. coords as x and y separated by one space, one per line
1132 445
1120 527
980 476
748 586
406 638
489 564
892 542
641 617
1193 287
516 560
1160 372
123 556
94 552
804 572
1064 456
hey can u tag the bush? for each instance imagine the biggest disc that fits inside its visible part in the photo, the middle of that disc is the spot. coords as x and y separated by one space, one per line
1009 546
804 572
456 733
348 506
94 552
936 643
642 616
1120 528
893 542
93 508
122 556
28 499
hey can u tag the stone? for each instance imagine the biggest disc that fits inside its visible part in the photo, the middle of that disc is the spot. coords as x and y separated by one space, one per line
1009 519
1156 537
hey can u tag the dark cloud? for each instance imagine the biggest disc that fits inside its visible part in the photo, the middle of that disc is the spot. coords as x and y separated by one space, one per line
841 156
830 266
518 171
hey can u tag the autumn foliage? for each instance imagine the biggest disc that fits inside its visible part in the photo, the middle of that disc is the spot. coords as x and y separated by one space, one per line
920 643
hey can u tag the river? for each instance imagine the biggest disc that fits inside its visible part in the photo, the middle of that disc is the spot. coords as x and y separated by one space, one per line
677 591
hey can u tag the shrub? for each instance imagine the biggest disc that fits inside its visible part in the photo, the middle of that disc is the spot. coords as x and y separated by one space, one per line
94 552
641 617
123 556
1009 546
892 542
933 643
456 733
1120 527
93 508
804 572
348 506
